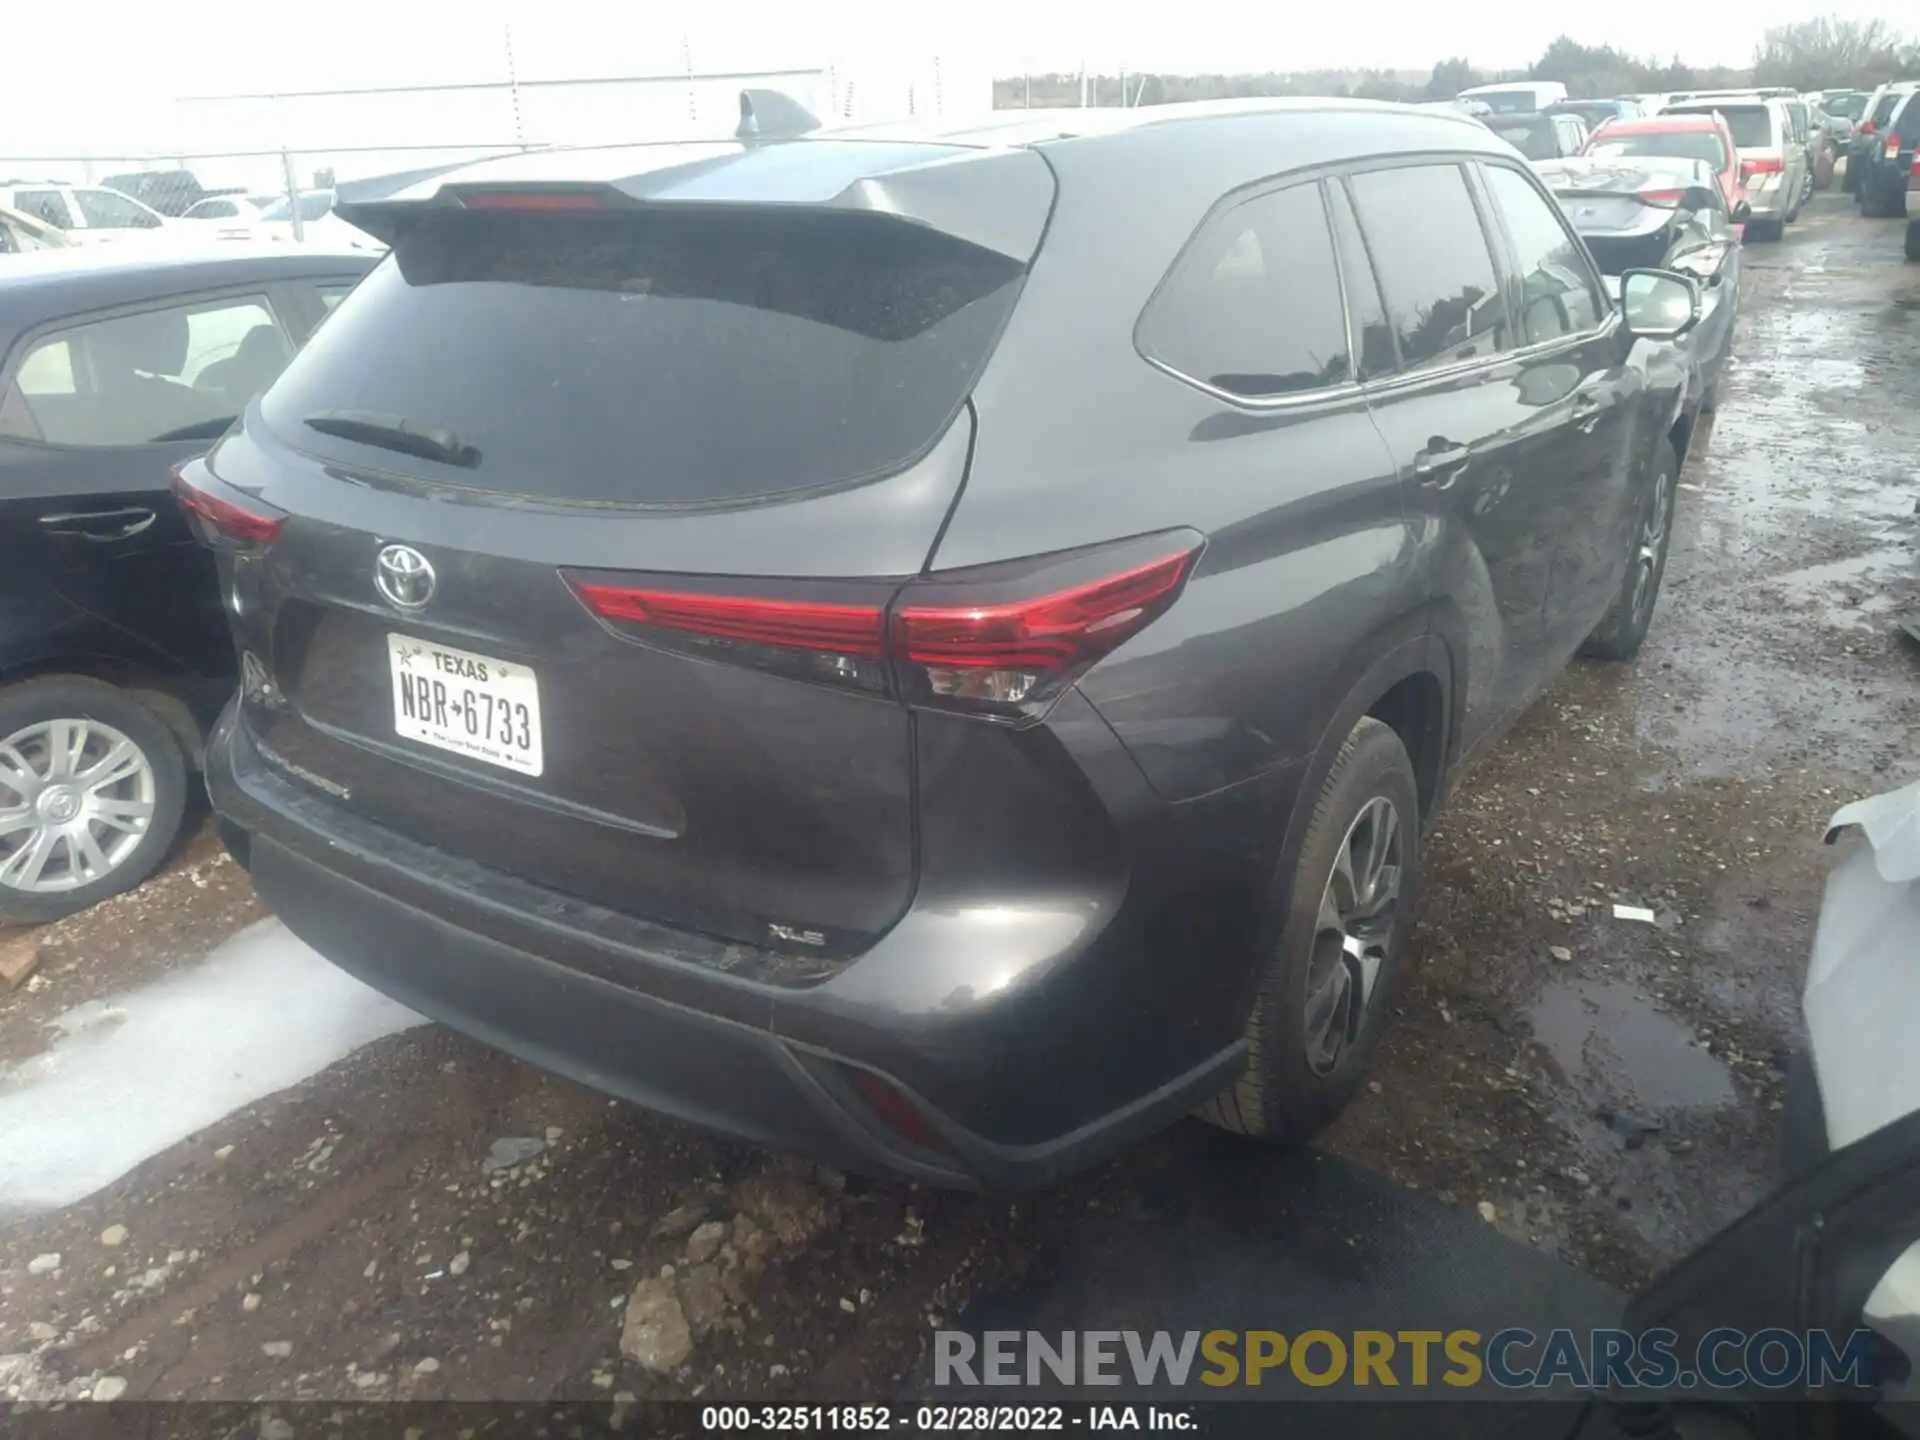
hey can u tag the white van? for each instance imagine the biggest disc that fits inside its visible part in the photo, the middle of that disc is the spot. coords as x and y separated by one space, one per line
1516 97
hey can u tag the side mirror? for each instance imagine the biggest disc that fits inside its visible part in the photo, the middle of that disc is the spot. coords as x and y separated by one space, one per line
1742 212
1659 304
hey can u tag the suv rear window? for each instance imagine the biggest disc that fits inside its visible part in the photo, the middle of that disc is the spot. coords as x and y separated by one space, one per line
1752 125
670 358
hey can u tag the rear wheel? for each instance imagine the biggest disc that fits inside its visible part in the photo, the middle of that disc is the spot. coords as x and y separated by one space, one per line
1330 966
92 787
1619 635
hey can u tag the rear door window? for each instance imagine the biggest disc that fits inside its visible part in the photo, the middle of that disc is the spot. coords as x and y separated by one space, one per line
1436 271
675 358
47 205
183 372
1253 304
1560 295
1365 309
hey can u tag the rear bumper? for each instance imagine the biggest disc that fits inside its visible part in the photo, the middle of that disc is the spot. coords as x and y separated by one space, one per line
765 1063
1768 198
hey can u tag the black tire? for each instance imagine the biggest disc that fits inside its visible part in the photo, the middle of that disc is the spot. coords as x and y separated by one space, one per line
1288 1092
71 697
1913 239
1619 635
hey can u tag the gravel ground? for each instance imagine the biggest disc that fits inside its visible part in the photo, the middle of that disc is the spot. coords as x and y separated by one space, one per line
427 1219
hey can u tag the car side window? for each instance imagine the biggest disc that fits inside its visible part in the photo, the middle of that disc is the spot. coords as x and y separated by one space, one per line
1559 294
1437 275
1252 307
183 372
110 210
47 205
1365 308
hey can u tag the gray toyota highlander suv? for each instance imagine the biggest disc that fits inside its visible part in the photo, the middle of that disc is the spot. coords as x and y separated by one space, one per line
935 651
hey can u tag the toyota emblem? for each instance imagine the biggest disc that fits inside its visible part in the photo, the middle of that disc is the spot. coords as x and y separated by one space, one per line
404 577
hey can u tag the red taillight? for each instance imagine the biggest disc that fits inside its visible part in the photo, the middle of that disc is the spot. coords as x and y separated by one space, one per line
221 514
954 649
844 629
1665 199
544 201
1762 165
1003 639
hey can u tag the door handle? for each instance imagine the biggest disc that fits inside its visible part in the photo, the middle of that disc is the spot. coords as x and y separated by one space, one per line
1586 413
100 526
1440 468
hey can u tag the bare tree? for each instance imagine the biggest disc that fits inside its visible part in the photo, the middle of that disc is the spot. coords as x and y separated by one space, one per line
1828 51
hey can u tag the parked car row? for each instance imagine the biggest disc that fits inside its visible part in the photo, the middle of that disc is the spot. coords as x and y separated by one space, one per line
1772 147
102 215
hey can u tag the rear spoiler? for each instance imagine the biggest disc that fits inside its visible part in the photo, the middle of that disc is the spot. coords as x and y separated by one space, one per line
997 199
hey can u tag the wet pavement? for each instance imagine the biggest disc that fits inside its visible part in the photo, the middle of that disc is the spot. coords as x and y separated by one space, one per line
1607 1089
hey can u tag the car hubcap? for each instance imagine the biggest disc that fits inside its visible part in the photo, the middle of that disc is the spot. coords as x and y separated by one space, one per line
1358 909
1652 540
76 798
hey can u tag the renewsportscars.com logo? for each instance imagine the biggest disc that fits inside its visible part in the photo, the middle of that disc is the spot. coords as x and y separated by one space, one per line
1458 1359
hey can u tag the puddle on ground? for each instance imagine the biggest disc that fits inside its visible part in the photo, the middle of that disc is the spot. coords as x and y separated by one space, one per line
1620 1050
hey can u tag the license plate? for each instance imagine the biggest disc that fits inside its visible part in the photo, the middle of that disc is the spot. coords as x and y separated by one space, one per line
473 705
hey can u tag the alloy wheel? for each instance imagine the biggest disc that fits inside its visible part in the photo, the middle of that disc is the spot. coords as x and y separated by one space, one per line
76 799
1358 909
1649 545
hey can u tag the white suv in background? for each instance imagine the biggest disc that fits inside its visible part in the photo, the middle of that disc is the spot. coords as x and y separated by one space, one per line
1773 162
90 214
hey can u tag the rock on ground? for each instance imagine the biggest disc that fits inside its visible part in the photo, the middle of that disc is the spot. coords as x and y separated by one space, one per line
655 1334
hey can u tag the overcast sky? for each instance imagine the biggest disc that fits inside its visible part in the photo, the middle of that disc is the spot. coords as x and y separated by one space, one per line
103 78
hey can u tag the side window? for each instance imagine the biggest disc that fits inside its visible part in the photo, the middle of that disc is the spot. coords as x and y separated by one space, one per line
1436 273
181 373
1253 305
1559 294
47 205
1364 305
110 210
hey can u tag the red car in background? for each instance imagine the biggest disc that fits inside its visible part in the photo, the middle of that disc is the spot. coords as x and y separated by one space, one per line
1686 137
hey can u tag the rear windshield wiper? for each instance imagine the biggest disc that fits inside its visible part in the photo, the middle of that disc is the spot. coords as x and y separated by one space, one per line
396 432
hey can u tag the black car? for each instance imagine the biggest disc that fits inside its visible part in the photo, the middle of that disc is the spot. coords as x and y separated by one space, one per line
114 655
1888 160
1868 141
1649 211
934 650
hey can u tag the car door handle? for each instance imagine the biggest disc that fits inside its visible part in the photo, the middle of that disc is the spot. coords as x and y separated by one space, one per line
1440 468
100 526
1586 413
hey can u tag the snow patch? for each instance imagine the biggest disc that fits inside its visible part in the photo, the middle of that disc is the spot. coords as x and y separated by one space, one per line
133 1074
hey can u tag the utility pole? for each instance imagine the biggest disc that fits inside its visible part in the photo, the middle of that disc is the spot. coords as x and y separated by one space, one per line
1083 84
